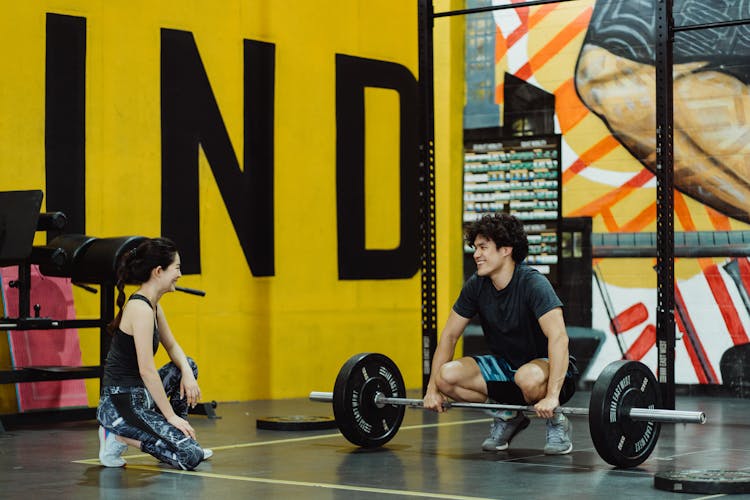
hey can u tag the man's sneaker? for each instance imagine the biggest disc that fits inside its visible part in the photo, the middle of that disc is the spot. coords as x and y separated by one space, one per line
207 453
502 431
110 449
559 430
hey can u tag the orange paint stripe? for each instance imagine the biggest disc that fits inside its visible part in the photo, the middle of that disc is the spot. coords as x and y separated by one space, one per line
523 12
541 13
609 199
682 212
645 341
524 72
726 306
643 219
501 44
572 170
568 33
718 290
500 93
517 34
609 220
719 220
736 330
590 156
568 107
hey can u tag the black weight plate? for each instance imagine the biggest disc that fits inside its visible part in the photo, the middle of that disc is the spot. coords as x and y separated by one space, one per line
359 419
703 481
623 385
295 423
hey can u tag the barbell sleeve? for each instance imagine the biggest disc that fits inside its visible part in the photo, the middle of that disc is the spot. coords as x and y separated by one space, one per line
321 397
667 416
638 414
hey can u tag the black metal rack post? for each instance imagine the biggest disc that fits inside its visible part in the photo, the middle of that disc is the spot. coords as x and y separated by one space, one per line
665 302
427 246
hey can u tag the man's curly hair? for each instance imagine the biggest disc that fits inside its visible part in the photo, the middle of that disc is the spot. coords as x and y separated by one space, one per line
505 230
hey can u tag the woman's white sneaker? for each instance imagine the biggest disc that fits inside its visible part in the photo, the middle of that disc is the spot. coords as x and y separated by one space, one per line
110 449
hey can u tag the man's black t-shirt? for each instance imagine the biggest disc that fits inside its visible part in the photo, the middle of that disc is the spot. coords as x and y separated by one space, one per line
509 317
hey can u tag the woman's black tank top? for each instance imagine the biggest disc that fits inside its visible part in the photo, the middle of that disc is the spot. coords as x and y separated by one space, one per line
121 367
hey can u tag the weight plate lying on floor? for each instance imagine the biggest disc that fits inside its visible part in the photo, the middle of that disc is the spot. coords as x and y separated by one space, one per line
295 423
703 481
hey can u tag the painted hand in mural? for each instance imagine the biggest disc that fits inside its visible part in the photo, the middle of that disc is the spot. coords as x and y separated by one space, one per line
615 78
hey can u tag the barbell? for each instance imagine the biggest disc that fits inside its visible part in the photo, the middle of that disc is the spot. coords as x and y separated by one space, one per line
624 414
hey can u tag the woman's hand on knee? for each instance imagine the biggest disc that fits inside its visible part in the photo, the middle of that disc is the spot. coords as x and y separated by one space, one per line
183 425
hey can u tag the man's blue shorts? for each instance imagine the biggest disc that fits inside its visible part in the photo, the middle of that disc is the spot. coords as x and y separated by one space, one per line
495 369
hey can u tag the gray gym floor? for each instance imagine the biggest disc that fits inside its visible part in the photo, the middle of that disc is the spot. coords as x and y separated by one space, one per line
431 456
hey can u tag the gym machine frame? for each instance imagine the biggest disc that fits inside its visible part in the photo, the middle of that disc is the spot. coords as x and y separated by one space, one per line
64 256
23 210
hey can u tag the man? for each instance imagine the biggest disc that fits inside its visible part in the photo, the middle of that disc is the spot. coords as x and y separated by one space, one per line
523 325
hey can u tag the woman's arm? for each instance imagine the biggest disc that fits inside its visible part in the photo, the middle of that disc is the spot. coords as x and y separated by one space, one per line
188 386
139 317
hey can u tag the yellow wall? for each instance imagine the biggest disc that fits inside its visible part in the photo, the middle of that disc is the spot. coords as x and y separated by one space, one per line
448 59
253 338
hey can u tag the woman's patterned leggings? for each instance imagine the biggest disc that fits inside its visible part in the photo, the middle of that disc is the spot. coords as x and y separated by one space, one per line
130 412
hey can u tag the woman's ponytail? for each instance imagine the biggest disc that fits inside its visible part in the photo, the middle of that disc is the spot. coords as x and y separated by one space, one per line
135 267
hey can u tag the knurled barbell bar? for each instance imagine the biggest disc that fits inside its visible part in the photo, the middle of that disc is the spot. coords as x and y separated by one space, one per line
624 414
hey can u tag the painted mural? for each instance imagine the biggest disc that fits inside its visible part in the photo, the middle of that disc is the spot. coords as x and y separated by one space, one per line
596 59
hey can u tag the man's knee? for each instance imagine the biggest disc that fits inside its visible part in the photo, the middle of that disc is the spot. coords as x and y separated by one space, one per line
451 375
532 380
448 376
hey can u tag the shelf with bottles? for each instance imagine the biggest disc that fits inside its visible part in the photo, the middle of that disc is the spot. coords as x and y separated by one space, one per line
519 176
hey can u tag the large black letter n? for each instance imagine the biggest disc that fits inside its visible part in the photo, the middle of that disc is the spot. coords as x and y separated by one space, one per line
191 118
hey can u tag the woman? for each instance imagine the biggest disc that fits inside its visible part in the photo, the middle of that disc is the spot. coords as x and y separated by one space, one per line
140 406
